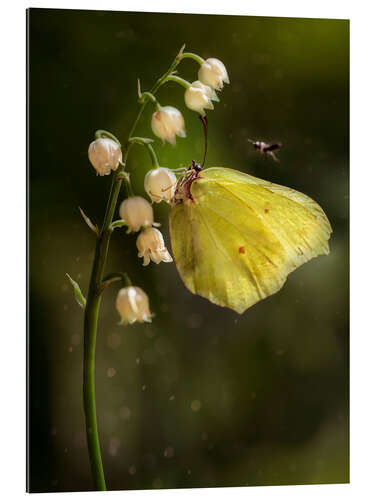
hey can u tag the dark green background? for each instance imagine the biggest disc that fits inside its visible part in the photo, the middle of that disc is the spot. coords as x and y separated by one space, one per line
272 383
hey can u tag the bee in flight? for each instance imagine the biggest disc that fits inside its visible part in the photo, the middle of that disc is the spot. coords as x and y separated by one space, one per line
266 149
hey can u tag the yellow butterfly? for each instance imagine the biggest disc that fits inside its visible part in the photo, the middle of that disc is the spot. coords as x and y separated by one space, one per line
235 238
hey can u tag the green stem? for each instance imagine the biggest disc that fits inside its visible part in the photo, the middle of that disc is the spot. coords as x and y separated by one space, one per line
147 96
94 299
144 141
90 329
153 156
190 55
100 133
128 186
118 223
179 80
126 281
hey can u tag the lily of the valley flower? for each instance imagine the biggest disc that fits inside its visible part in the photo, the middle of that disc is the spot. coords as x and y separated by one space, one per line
160 184
213 73
137 213
150 244
199 96
133 305
166 123
105 155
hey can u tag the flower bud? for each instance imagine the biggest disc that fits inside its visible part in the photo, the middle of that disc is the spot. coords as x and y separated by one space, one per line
132 304
150 244
137 213
166 123
160 184
105 155
199 96
213 73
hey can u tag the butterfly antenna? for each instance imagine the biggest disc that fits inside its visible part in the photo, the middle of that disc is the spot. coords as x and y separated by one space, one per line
204 121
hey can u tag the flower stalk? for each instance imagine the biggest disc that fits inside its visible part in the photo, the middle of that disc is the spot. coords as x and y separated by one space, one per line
96 287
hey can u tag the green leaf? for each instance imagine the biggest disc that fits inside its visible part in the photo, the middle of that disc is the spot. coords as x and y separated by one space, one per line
77 292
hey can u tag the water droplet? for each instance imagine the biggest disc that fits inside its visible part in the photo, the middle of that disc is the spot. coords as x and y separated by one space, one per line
132 470
194 320
125 413
169 452
114 444
114 340
76 339
196 405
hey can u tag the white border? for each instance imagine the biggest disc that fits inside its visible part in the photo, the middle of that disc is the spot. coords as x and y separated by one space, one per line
12 199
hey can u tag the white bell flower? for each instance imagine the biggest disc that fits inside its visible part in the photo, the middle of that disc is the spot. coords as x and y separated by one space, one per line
160 184
133 305
213 73
166 123
137 213
150 244
105 155
199 96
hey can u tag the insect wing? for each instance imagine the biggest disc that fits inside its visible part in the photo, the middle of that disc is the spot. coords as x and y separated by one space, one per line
272 147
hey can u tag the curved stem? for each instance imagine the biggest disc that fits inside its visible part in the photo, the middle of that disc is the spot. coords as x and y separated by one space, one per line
147 96
118 223
128 186
204 121
99 133
153 156
190 55
179 80
126 281
94 298
143 141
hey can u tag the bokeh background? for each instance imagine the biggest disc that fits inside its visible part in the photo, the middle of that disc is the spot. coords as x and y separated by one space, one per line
202 397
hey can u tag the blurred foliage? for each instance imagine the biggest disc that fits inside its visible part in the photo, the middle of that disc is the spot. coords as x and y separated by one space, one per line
202 397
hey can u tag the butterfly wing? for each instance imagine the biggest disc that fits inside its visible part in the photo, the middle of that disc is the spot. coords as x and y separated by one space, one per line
236 243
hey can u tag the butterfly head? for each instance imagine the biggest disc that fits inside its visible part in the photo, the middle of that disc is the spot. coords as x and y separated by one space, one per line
182 191
196 167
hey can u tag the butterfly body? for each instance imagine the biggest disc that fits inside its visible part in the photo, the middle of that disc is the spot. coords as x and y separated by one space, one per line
235 238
